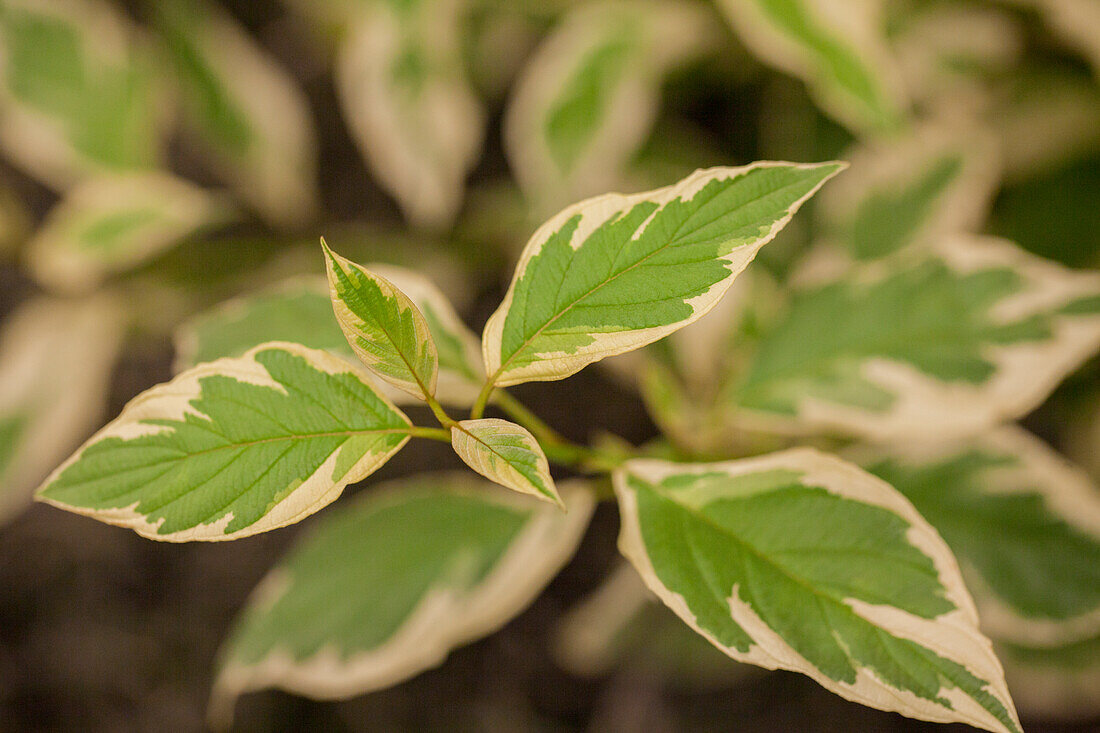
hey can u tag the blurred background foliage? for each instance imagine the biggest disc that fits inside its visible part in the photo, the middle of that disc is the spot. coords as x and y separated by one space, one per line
159 157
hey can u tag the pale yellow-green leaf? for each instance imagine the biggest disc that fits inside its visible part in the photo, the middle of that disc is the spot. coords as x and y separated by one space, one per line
506 453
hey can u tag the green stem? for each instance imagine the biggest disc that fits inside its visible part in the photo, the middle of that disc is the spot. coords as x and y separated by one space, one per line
478 410
519 412
441 434
440 414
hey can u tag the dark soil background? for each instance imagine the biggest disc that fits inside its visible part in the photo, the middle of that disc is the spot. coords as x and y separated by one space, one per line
103 631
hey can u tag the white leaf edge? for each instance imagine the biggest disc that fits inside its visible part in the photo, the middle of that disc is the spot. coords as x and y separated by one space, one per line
953 635
171 401
443 621
594 212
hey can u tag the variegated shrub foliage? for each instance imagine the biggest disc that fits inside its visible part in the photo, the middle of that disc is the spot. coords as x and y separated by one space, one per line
840 487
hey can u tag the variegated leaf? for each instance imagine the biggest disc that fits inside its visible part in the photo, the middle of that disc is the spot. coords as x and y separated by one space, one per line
1024 523
110 224
930 184
976 332
387 586
1077 21
232 448
56 359
837 47
409 107
244 109
585 286
801 561
384 327
588 97
506 453
76 95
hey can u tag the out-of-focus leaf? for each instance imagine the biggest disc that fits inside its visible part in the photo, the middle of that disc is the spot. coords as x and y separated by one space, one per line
588 98
76 91
974 332
110 224
932 183
55 367
244 109
385 587
1023 522
409 106
838 47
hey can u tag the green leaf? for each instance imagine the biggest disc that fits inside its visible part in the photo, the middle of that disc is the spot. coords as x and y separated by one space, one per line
506 453
589 95
56 360
839 49
76 94
932 183
400 82
1023 522
384 327
584 286
111 224
245 110
801 561
387 585
232 448
949 344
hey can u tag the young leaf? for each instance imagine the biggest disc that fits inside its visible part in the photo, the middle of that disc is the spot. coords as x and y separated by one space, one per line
588 97
77 96
801 561
386 586
244 109
110 224
413 114
384 327
506 453
46 345
1023 522
976 332
232 448
585 286
837 47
